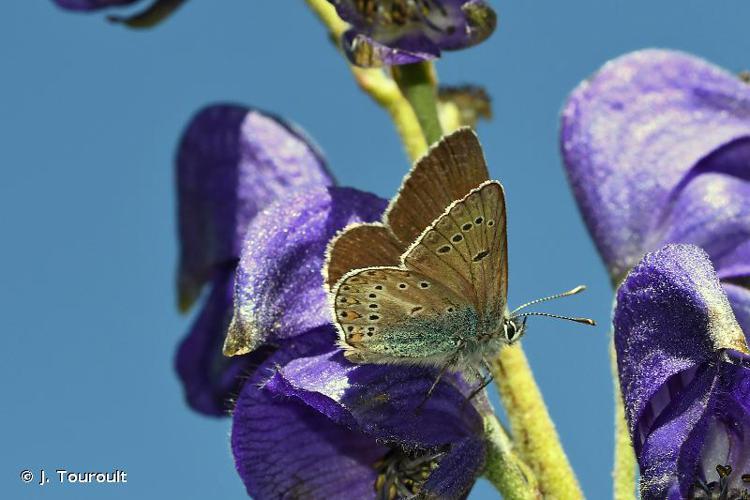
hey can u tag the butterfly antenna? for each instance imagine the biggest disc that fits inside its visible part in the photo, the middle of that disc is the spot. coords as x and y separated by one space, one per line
585 321
574 291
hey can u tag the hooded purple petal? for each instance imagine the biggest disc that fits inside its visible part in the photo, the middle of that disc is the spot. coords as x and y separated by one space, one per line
211 380
91 4
671 317
384 402
393 33
636 131
286 449
739 297
279 286
682 367
231 163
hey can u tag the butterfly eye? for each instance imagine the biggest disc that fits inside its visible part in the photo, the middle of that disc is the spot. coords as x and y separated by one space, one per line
402 286
478 220
466 226
457 238
490 222
444 249
372 296
424 284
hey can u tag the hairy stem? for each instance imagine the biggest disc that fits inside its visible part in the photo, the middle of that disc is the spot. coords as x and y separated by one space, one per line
417 84
625 465
379 86
534 433
504 469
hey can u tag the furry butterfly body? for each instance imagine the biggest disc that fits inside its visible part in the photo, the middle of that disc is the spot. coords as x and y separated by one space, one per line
428 285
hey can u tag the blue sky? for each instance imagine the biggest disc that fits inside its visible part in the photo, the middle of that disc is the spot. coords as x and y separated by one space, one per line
89 117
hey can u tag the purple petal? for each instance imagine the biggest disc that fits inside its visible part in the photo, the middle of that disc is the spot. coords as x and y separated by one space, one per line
285 449
672 316
381 400
209 379
457 471
634 131
739 298
85 5
713 212
363 51
232 162
704 425
279 286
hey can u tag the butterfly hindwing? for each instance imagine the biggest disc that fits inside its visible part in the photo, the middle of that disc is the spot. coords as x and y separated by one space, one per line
466 249
359 246
445 174
389 314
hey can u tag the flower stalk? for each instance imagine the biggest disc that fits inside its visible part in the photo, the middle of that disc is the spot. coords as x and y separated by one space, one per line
625 467
504 469
534 432
417 84
379 86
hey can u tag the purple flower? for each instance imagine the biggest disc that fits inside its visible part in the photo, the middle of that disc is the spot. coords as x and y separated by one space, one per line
657 150
308 423
393 32
232 162
685 375
156 12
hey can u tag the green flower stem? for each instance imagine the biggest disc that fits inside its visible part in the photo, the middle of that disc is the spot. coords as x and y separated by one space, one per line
625 464
379 86
417 84
534 433
504 469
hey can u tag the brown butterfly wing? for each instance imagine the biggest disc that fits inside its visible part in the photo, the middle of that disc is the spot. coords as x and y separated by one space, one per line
389 314
445 174
359 246
465 249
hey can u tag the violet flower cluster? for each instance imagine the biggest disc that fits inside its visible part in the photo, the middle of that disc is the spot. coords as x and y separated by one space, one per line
657 150
306 422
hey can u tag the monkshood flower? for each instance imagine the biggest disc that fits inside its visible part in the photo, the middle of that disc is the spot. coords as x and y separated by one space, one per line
309 424
685 376
157 11
394 32
231 163
657 150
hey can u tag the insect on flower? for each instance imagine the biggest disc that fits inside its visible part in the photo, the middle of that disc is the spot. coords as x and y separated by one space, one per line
428 285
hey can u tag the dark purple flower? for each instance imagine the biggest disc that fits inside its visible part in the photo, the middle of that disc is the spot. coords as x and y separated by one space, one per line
309 423
232 162
685 377
393 32
156 12
657 150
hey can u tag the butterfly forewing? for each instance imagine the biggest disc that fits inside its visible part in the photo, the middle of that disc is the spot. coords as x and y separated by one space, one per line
465 249
445 174
359 246
389 313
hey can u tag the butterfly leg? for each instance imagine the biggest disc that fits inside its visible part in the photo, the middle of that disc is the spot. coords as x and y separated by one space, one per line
486 380
434 384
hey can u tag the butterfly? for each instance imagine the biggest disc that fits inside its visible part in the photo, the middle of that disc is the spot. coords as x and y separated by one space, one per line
428 285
